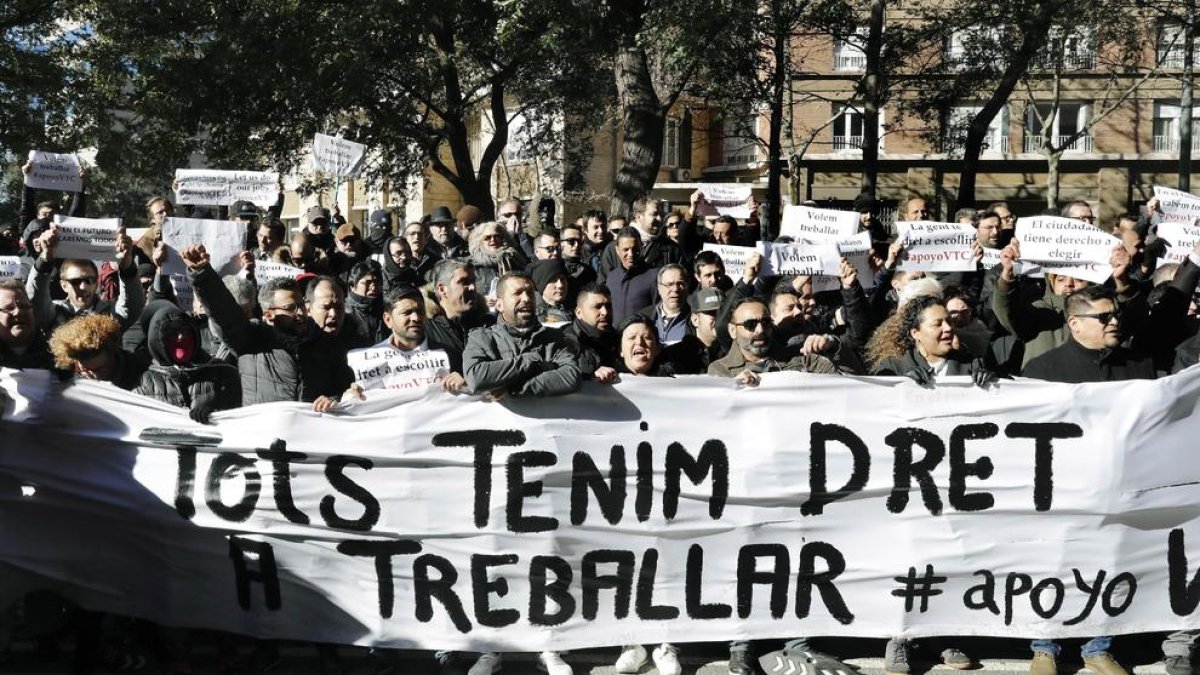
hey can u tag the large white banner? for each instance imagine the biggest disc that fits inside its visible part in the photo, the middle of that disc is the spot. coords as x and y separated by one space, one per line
806 222
211 187
656 510
725 199
337 156
54 171
1066 246
936 247
1177 206
86 238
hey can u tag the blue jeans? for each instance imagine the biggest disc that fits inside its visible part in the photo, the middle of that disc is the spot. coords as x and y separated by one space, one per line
1094 647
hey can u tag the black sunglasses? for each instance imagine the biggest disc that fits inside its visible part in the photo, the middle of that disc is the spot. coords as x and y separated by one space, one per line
752 325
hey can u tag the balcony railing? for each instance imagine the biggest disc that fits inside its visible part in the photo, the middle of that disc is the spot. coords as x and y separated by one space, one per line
1171 143
1076 61
852 62
1081 144
743 156
994 144
847 143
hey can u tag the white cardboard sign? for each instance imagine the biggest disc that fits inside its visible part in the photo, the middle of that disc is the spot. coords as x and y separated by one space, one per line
1066 246
813 224
936 247
337 156
725 199
86 238
54 171
390 368
803 259
211 187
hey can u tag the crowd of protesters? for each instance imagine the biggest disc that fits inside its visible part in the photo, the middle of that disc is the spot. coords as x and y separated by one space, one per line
535 309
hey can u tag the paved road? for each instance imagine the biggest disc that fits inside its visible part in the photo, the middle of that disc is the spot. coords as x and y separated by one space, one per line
1001 657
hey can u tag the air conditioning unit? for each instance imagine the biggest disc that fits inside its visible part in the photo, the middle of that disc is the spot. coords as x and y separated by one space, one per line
681 176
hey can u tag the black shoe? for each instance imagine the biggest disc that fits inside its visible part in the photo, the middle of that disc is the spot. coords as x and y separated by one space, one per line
740 664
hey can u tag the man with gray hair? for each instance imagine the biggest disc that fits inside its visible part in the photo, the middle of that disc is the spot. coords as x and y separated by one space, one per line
462 306
671 313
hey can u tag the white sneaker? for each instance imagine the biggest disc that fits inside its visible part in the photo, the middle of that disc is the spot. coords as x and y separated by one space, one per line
487 664
631 660
666 661
553 664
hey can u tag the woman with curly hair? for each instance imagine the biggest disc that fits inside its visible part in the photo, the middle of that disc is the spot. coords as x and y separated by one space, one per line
90 347
928 346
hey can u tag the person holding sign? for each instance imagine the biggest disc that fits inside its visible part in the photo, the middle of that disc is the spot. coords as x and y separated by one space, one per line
38 218
78 279
928 338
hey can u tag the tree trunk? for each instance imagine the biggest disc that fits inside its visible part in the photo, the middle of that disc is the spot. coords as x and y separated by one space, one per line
1185 101
874 86
642 120
1052 178
770 226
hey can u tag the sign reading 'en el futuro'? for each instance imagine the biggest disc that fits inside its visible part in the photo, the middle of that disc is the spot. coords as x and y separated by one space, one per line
1066 246
337 156
211 187
86 238
655 510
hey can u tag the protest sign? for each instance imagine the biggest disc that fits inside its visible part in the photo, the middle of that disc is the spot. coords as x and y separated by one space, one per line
1180 239
1177 206
724 199
805 222
734 257
210 187
222 239
10 266
266 270
54 171
389 368
86 238
1066 246
655 510
991 258
936 247
337 156
803 258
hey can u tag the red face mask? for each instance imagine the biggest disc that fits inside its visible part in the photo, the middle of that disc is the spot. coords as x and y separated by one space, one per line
181 347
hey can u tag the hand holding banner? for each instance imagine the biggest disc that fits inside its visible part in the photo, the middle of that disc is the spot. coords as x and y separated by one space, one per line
266 270
734 258
1066 246
802 259
936 247
1177 206
337 156
54 171
1180 239
390 368
86 238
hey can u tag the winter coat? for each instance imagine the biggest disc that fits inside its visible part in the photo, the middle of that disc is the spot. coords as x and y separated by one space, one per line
1073 363
908 365
53 313
632 289
202 384
735 362
523 362
452 333
593 349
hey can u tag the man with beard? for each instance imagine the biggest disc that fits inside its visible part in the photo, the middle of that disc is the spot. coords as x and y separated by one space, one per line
424 253
447 243
398 266
571 245
595 233
294 353
462 308
752 330
591 335
518 356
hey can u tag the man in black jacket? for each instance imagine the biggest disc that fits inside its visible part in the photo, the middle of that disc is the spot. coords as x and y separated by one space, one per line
1093 352
462 307
591 335
286 356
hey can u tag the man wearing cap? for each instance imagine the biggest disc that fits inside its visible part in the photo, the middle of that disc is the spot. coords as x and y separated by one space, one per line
446 241
700 347
868 218
550 281
318 229
671 314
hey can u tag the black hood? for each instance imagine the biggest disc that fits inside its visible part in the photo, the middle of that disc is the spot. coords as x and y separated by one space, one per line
165 320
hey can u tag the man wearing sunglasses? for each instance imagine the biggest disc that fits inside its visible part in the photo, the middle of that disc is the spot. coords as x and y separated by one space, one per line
78 280
755 352
1093 351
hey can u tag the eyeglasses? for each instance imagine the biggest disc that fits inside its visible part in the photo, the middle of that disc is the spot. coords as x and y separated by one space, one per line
494 236
570 242
287 309
1102 317
674 284
752 325
548 248
18 307
1086 219
80 281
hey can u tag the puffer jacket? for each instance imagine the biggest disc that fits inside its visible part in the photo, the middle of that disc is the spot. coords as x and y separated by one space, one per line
201 385
534 362
274 365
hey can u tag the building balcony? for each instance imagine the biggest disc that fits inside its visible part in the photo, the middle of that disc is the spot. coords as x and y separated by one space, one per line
1083 144
1171 143
847 143
850 62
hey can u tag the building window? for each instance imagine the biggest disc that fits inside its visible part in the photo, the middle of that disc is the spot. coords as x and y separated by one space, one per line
1171 46
848 127
956 130
848 52
1166 127
670 151
741 140
1069 49
1069 119
971 45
